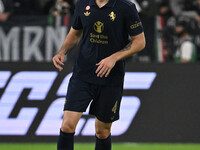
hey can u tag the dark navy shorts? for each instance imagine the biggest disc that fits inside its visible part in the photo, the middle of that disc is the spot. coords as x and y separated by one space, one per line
105 100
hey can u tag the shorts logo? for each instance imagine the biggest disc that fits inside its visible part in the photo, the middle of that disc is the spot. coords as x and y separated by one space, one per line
114 109
112 16
99 27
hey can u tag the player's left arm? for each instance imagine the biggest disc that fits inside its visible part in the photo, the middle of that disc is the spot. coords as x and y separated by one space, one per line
136 45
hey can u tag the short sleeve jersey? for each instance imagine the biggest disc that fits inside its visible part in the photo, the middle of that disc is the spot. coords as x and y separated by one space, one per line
106 30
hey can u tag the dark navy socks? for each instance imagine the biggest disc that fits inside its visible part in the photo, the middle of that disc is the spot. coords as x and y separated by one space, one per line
65 141
103 144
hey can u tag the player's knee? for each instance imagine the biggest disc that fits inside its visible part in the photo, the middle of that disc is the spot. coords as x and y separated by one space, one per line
102 133
68 127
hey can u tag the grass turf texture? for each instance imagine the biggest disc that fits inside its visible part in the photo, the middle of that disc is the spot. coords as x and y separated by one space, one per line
86 146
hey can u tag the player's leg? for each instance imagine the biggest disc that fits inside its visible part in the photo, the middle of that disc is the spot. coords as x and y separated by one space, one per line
77 99
70 120
66 138
103 138
105 107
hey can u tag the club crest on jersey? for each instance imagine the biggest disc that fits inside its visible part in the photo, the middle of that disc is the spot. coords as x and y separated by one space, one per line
112 16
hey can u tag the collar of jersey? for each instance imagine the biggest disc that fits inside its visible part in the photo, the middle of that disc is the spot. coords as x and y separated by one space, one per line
111 3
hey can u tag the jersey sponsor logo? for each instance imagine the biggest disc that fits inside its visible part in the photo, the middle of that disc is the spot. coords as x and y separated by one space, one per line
112 16
98 41
98 38
99 26
40 85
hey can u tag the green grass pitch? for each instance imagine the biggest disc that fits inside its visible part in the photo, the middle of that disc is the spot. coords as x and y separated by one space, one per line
87 146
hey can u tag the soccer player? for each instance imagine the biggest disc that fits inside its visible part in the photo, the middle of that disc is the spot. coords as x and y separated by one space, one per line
103 28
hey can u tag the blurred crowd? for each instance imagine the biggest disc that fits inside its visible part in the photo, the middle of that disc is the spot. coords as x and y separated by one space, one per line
181 21
181 30
35 7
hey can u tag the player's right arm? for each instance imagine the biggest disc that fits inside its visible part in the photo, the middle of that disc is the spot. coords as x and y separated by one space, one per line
70 42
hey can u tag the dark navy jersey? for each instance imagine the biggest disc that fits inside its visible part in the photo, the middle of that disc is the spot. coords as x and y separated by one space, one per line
105 31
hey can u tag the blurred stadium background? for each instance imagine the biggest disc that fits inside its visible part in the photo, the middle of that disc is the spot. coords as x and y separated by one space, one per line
160 107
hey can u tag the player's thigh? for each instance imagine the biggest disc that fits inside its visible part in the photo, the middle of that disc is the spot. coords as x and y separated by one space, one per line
78 95
70 120
102 129
106 106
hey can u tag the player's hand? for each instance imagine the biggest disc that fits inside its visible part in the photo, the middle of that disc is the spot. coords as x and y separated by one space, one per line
58 60
105 66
